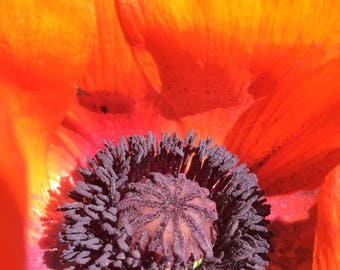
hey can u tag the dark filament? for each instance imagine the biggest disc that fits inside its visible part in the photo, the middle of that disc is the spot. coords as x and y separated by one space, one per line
153 205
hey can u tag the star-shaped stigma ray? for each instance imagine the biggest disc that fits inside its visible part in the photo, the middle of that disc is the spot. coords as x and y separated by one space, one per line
170 217
144 204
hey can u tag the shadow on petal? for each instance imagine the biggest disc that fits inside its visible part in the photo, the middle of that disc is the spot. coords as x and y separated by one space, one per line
293 244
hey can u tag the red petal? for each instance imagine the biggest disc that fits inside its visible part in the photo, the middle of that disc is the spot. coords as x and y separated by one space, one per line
291 136
13 204
327 239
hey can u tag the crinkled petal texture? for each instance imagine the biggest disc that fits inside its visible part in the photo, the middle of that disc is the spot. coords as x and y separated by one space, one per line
259 77
327 238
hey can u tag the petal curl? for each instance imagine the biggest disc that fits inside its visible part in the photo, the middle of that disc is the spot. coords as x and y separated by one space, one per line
327 238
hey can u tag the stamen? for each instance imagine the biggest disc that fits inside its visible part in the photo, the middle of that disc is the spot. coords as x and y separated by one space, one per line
165 205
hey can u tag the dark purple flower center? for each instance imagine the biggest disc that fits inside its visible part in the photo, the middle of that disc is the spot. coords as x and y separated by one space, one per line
144 204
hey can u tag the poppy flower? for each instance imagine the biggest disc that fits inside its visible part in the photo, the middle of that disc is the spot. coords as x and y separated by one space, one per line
260 79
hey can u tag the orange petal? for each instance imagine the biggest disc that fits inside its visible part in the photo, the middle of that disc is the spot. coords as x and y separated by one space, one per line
45 44
327 238
119 76
12 196
181 49
205 59
113 94
200 56
112 69
43 50
291 136
190 59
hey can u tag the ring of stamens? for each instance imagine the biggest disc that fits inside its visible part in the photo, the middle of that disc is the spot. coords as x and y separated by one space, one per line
143 188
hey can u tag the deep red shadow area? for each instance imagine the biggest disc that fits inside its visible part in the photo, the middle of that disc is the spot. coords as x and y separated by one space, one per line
293 244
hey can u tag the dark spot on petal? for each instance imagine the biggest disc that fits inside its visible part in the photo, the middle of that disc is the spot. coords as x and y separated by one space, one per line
81 92
103 109
106 102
